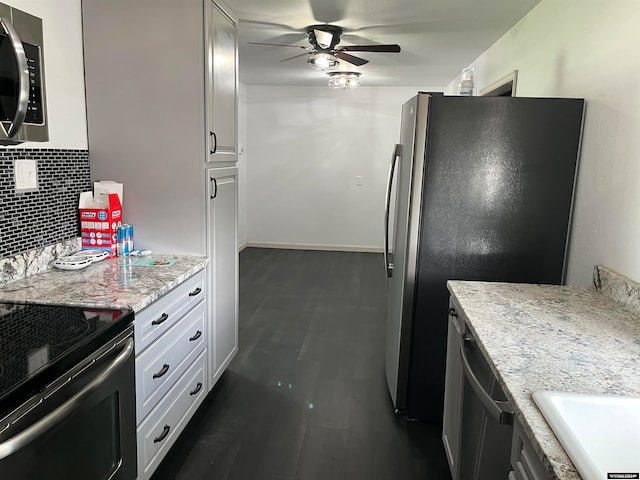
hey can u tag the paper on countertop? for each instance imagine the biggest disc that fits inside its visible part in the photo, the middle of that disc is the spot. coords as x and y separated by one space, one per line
153 262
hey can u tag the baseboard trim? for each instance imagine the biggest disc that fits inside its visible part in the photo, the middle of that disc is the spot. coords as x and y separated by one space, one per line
242 247
309 246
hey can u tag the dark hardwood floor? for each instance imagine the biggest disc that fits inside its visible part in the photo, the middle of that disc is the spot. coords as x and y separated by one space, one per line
306 397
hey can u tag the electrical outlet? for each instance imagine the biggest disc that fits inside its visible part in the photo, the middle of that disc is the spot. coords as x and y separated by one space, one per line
25 175
358 181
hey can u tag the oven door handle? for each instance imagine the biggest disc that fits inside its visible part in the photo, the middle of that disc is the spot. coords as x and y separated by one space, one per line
23 78
25 437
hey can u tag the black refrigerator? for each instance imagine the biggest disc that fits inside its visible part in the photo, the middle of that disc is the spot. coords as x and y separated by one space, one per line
480 188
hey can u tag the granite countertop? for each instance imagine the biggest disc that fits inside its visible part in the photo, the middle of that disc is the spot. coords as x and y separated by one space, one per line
543 337
113 282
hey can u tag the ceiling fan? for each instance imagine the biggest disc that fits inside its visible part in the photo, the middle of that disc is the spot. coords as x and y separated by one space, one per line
324 39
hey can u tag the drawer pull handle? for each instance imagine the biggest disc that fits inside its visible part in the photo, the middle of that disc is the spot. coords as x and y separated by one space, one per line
165 369
196 336
163 435
195 292
162 318
197 389
453 313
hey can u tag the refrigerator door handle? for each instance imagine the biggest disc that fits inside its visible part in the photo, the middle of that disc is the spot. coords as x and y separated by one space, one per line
388 265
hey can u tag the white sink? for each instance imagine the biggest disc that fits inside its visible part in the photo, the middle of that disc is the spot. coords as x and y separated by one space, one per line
600 433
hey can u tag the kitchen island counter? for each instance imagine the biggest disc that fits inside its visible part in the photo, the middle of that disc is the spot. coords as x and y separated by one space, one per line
544 337
114 282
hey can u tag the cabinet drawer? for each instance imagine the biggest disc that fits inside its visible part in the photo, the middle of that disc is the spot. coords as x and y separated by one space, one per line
526 464
160 365
160 430
162 314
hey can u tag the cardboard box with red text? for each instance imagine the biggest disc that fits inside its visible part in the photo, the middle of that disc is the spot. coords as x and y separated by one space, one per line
99 221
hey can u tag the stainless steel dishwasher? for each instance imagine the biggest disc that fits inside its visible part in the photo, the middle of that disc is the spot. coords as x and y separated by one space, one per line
487 418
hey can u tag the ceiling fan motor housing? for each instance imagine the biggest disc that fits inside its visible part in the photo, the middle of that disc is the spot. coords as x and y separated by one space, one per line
324 40
324 37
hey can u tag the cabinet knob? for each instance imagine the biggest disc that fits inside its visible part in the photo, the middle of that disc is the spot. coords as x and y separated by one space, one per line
453 313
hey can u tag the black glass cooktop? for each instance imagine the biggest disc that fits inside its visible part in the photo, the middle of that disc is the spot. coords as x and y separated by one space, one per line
38 343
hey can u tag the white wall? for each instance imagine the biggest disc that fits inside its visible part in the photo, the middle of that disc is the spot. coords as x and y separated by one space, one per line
64 71
588 49
242 165
306 146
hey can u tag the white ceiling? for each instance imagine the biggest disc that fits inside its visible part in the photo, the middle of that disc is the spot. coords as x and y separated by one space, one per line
438 37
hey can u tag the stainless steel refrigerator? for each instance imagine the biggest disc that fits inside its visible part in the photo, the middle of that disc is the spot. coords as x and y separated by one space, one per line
480 188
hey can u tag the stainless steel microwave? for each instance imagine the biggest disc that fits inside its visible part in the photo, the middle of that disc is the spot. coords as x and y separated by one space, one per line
23 112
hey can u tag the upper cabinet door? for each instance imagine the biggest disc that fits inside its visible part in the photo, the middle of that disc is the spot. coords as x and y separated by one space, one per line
222 84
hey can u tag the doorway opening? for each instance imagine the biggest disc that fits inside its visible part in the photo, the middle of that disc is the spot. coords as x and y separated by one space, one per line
503 87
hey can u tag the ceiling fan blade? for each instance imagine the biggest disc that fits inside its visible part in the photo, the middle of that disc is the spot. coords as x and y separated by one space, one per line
295 56
280 45
370 48
357 61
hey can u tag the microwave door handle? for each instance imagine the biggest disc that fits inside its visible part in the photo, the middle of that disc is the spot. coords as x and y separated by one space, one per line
67 408
388 266
23 79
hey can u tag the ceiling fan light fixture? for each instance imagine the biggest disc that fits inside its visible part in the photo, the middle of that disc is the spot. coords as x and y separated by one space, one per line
322 61
344 80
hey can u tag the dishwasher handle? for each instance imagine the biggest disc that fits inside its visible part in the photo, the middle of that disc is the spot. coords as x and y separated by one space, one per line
501 411
25 437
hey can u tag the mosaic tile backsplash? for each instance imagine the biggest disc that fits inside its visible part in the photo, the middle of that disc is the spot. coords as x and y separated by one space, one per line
30 220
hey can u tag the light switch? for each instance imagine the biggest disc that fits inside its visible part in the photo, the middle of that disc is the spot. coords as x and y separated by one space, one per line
26 175
358 181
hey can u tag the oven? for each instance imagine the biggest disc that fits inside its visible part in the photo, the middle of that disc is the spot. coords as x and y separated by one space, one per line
77 420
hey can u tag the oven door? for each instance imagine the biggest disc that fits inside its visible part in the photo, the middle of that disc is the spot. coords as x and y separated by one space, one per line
82 426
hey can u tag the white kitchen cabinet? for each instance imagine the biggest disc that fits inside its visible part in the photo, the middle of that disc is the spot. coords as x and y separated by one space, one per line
223 268
159 366
160 76
162 427
171 368
525 461
222 84
165 312
453 393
